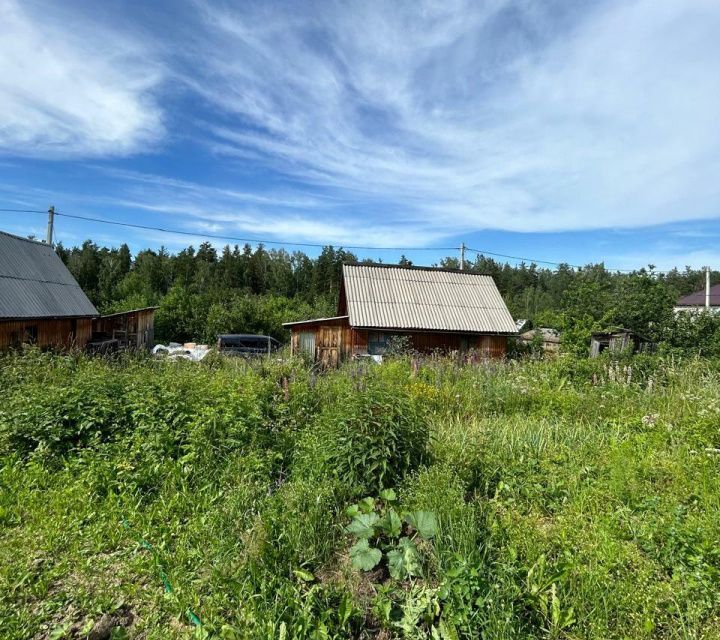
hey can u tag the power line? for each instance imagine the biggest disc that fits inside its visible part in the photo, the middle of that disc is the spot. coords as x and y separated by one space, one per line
536 261
22 211
503 255
303 244
253 240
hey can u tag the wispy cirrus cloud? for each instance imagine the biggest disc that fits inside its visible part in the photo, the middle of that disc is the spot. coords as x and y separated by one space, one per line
367 122
512 115
73 88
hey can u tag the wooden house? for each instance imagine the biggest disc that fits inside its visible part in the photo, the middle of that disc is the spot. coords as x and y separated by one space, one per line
432 309
705 300
40 301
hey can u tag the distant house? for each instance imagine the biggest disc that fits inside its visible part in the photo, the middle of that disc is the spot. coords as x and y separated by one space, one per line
40 301
618 340
432 309
548 338
696 302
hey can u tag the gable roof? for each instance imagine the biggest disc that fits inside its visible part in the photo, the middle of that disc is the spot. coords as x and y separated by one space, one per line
34 282
428 299
697 299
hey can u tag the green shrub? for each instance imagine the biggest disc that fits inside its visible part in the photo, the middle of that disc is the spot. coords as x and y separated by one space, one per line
367 435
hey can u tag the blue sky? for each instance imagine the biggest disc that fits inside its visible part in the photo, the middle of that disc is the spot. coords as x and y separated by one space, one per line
565 131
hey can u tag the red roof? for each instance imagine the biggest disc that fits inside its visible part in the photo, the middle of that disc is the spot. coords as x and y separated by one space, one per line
697 299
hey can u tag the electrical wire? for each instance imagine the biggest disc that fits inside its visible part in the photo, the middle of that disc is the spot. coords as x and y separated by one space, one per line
253 240
304 244
503 255
22 211
548 262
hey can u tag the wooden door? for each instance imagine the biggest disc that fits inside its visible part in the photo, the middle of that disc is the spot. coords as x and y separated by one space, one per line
328 347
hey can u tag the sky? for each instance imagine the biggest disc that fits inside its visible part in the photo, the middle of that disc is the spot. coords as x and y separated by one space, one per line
568 131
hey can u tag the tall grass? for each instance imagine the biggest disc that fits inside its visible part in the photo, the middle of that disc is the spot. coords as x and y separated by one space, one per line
573 499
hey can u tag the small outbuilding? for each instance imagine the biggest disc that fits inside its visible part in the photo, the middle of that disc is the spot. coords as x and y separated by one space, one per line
132 329
40 301
619 340
546 337
429 309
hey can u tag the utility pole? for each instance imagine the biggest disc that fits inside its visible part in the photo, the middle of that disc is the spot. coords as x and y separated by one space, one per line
707 288
462 256
51 222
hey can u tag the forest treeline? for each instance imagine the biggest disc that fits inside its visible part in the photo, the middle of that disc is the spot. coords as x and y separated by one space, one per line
202 292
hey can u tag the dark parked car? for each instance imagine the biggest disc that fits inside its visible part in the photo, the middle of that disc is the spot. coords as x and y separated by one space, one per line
240 344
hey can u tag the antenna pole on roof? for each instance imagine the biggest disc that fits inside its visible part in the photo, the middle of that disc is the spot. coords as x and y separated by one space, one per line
462 256
51 222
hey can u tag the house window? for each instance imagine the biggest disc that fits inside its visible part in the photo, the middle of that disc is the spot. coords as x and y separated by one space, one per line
307 342
31 334
377 342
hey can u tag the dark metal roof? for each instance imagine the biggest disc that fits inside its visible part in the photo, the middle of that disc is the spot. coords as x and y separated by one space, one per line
34 282
697 299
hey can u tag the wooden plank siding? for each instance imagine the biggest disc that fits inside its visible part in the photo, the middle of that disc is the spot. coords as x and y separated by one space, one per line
133 329
333 340
330 340
491 346
46 333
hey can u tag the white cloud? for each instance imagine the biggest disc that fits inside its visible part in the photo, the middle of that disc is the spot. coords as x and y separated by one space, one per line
666 259
72 88
386 123
478 115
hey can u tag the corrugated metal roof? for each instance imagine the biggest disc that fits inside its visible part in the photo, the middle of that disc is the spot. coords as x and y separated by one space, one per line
34 282
317 320
424 299
129 311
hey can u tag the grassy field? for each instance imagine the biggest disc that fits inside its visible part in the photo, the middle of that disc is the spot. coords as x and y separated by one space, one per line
566 499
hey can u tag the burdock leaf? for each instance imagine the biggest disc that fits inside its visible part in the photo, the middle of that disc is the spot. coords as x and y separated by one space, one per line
363 525
404 560
364 556
424 522
391 523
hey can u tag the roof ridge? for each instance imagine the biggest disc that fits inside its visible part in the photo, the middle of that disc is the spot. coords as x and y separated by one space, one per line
382 265
41 243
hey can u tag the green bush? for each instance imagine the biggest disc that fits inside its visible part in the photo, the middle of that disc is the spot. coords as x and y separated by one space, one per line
367 435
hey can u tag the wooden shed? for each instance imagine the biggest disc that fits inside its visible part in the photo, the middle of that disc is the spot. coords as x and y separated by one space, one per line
547 338
132 329
618 340
40 301
432 309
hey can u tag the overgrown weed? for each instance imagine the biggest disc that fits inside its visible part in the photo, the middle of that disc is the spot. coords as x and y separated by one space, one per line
572 498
